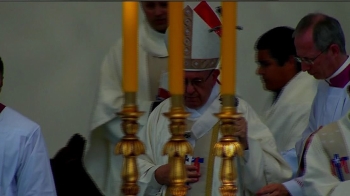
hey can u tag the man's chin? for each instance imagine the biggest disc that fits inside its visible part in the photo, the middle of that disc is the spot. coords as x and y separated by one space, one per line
160 28
192 105
317 77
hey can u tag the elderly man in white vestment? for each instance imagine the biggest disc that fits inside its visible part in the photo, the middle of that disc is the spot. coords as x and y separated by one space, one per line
288 109
261 164
100 161
327 160
320 45
24 162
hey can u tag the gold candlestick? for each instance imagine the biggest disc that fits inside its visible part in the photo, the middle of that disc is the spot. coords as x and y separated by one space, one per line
130 147
228 147
177 147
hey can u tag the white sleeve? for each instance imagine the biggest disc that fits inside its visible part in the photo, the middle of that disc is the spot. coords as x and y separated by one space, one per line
263 164
34 175
147 162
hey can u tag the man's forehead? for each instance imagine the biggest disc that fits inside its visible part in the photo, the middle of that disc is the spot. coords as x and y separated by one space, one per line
153 2
305 46
304 36
196 74
263 54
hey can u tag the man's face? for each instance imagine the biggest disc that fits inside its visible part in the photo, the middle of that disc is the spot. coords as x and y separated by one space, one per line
305 48
156 13
272 75
198 87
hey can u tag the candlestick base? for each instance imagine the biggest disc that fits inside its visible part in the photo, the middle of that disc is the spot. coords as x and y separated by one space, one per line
130 146
228 147
177 147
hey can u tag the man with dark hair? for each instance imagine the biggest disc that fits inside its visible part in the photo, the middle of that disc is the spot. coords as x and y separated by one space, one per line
24 162
293 91
320 46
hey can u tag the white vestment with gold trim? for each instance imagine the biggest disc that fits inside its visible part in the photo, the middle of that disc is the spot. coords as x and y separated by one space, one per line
261 164
327 161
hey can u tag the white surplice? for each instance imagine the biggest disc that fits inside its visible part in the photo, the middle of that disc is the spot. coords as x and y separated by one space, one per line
319 179
100 161
288 116
261 164
24 162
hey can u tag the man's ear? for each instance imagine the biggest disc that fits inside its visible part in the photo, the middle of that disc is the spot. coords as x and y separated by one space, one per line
291 62
334 48
291 59
216 73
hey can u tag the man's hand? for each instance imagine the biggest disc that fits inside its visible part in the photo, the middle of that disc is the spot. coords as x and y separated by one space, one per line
192 174
241 131
273 190
162 174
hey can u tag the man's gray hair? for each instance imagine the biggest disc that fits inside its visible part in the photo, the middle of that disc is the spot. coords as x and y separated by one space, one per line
326 31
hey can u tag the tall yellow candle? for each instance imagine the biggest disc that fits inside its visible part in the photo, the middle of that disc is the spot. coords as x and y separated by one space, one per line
130 52
228 48
176 48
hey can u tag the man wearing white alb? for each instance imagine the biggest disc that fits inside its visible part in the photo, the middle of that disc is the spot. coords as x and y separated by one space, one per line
101 163
292 91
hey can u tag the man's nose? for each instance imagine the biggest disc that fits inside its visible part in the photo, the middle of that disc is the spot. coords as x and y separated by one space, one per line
189 88
259 71
158 10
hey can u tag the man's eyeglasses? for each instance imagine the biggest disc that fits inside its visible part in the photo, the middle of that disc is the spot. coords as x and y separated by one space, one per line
309 60
198 82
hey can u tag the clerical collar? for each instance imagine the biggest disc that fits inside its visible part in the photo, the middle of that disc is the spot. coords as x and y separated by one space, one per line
341 77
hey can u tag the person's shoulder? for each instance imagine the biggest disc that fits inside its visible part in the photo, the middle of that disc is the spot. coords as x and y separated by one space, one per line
163 106
322 85
241 103
342 125
306 82
117 45
15 121
156 115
